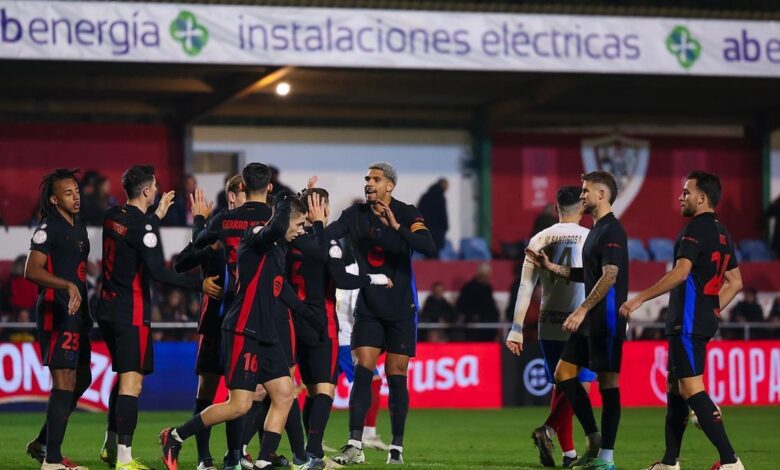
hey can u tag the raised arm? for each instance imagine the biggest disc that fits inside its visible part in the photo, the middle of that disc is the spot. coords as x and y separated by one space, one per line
416 236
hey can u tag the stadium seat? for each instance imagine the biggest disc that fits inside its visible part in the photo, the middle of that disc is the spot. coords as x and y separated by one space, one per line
448 253
417 256
474 249
662 249
637 251
755 250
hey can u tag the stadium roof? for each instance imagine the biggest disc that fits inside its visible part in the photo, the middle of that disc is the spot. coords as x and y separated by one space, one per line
725 9
223 94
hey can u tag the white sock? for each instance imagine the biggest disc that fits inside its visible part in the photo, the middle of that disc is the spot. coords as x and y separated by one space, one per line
606 454
570 453
124 453
369 432
243 450
398 448
110 440
354 443
175 435
263 464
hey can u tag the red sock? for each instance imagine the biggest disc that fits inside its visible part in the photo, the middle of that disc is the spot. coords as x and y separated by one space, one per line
566 431
560 419
554 418
373 412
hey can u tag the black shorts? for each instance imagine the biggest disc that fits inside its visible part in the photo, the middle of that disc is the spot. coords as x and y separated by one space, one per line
69 346
131 347
286 333
249 362
597 353
393 336
319 363
209 359
687 355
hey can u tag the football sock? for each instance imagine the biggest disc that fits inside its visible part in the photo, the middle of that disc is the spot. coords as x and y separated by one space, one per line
676 420
398 406
712 425
359 401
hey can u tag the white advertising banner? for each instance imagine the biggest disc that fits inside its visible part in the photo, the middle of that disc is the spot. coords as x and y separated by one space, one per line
220 34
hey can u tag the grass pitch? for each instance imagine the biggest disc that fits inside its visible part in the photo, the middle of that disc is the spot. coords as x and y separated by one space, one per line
436 439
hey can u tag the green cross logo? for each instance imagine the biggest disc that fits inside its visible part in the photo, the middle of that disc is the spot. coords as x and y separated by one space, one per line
192 35
683 46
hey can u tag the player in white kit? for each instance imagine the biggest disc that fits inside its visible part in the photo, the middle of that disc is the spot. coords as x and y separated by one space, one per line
562 243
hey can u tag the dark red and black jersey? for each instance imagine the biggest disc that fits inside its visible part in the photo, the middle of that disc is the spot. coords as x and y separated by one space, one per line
260 282
379 249
694 305
606 243
132 258
228 227
315 269
211 263
66 248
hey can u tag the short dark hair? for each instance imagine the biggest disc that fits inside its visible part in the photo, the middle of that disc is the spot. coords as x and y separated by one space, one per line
297 207
709 184
256 177
607 179
135 178
306 193
568 196
47 188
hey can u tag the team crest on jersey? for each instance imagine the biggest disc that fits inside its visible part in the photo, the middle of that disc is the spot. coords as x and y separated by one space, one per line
278 283
81 271
376 257
150 240
335 252
39 237
625 158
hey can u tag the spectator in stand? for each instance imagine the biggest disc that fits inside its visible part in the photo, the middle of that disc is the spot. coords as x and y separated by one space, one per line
774 320
772 219
747 310
277 185
22 294
437 309
221 202
433 207
656 333
477 304
103 193
546 218
22 335
180 215
91 212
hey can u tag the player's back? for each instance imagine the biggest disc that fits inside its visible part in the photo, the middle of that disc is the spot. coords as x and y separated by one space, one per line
694 305
563 244
125 288
260 281
228 227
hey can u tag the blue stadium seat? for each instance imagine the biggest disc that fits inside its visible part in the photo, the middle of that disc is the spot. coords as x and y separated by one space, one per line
448 253
474 249
636 250
755 250
662 249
